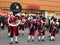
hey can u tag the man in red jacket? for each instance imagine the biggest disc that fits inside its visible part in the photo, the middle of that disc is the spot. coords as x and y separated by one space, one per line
32 30
22 25
14 21
39 27
53 34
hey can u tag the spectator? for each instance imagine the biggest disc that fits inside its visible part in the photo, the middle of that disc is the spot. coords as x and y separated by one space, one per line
2 22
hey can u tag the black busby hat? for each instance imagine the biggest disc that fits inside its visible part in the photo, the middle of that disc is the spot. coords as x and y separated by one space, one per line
15 8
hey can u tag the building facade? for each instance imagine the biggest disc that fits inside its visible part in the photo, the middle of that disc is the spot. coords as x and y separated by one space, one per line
48 7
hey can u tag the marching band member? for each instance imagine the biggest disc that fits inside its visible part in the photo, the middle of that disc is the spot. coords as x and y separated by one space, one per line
39 26
29 22
14 21
22 25
41 30
32 30
53 34
51 26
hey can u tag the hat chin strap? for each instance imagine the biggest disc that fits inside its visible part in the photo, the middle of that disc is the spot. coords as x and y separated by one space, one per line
14 24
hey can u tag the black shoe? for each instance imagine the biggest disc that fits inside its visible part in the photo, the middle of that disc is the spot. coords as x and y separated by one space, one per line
28 40
48 36
18 33
53 40
43 40
22 34
32 40
11 43
16 42
50 40
39 40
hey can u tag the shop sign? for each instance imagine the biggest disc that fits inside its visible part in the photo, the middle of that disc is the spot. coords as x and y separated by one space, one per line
32 6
